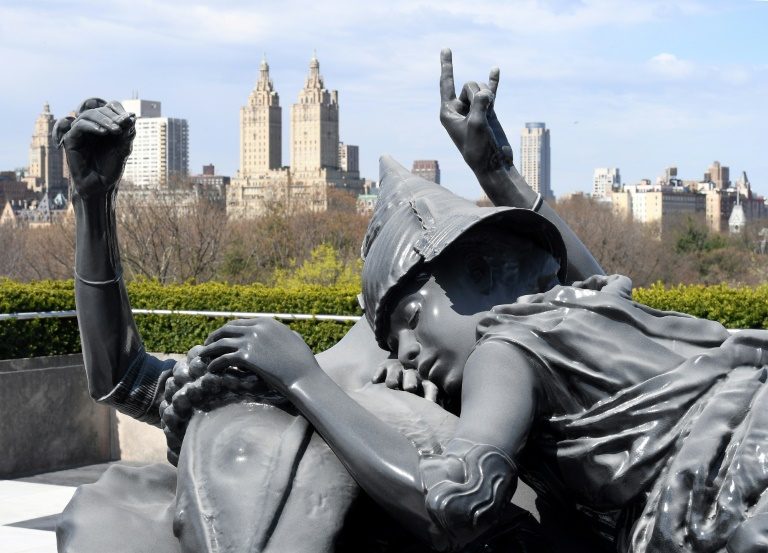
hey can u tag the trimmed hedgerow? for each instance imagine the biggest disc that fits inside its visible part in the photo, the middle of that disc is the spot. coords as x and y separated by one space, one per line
37 337
167 333
741 307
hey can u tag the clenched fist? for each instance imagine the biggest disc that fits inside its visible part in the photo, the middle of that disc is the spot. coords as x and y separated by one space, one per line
97 142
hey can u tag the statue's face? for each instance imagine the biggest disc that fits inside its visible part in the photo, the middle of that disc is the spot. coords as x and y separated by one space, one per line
430 334
432 327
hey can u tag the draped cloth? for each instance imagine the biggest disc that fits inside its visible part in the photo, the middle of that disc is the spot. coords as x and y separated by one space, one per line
653 423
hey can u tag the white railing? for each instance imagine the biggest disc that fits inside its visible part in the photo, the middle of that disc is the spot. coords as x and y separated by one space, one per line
227 314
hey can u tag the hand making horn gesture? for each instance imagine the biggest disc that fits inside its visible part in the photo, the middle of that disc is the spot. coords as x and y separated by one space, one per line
471 121
97 142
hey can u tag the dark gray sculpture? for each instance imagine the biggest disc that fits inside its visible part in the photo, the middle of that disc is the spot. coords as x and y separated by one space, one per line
640 430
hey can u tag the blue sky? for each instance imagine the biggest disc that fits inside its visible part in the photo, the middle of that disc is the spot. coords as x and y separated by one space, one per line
638 85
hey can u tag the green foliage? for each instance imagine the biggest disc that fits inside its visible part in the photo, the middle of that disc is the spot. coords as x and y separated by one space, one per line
37 337
734 307
323 268
743 307
695 237
168 333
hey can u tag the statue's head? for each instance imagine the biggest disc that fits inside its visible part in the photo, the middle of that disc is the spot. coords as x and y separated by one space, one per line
433 261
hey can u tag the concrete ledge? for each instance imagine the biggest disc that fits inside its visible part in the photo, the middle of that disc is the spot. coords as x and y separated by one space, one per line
49 422
47 419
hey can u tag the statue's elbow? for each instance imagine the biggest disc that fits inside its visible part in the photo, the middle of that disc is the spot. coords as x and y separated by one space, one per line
457 524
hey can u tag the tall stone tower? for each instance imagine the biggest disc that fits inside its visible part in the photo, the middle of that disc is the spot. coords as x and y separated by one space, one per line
318 160
46 161
315 125
261 128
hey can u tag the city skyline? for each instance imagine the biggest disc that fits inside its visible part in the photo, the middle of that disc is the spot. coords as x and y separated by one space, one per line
639 87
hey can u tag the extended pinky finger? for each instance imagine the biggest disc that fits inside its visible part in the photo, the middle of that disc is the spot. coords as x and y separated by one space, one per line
493 80
220 364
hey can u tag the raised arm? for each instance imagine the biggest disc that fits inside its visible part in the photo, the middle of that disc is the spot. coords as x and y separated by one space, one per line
97 143
472 124
448 498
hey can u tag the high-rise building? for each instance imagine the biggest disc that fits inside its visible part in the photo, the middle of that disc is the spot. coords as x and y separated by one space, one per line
535 158
160 149
656 203
46 160
261 181
721 204
349 159
318 159
209 179
261 130
315 125
604 181
719 175
428 169
670 197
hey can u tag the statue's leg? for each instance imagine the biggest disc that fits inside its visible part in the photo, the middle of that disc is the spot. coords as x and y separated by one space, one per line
255 477
130 509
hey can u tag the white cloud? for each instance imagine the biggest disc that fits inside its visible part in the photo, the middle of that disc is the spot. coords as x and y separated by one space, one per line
671 67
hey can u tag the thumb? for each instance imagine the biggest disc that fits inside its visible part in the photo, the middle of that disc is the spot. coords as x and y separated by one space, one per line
477 121
60 129
481 103
91 103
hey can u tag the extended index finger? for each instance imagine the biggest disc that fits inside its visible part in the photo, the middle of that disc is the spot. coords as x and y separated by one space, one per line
493 80
447 88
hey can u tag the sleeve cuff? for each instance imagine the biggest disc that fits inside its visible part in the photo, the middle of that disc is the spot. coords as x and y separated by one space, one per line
140 388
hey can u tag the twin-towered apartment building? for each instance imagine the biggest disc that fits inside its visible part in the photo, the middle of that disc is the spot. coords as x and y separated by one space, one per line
318 159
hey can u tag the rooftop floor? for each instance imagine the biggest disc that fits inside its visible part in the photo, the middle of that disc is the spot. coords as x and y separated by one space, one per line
30 507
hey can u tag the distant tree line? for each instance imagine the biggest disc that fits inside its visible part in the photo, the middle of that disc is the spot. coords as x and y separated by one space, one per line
684 251
197 244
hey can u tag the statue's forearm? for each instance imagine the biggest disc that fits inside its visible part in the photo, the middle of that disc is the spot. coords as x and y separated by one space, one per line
381 459
508 188
110 340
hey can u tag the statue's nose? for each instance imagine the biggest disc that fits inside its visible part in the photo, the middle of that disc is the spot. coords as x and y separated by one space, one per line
408 348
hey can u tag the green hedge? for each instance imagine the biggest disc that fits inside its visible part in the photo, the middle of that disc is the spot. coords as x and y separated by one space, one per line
167 333
742 307
37 337
733 307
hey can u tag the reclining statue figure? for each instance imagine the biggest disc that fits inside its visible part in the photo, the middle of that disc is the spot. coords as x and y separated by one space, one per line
640 430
